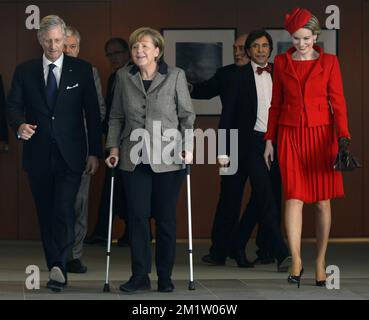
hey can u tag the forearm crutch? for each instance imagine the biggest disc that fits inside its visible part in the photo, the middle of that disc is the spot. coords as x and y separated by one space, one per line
191 285
106 285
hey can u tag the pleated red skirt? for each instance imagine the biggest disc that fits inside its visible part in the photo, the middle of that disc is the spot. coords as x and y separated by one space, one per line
306 157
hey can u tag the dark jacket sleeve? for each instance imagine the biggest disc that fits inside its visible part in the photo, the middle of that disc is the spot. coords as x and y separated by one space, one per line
3 123
207 89
228 116
92 114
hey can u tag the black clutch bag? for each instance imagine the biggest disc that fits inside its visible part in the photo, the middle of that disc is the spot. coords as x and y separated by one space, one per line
345 161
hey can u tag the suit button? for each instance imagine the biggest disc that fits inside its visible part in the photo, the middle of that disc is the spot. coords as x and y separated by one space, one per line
144 116
52 118
143 107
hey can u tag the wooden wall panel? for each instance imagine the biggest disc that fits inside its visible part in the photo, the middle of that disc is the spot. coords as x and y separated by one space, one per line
8 161
99 20
365 118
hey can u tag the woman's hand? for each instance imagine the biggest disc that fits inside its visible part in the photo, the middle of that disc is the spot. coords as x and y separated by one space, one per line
113 159
269 153
186 156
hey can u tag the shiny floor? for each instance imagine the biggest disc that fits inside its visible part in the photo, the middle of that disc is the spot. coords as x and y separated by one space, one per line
349 258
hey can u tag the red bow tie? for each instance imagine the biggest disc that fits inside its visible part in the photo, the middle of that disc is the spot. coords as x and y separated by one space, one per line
268 68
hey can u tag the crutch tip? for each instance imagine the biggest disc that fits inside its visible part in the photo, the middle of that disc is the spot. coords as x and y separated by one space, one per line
191 285
106 287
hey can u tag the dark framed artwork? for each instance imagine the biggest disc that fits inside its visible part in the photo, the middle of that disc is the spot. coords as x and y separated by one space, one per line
200 52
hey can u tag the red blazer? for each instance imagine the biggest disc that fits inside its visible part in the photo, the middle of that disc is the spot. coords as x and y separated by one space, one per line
323 99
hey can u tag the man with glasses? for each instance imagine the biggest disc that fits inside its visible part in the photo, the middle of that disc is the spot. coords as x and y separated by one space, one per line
75 265
117 52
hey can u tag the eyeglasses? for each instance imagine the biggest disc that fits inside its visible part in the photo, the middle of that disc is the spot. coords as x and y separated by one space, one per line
115 53
258 46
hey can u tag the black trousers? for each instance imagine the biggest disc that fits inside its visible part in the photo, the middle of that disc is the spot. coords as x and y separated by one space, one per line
263 237
119 204
54 192
228 233
152 194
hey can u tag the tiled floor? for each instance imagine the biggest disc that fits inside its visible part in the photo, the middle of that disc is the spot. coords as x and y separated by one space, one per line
212 282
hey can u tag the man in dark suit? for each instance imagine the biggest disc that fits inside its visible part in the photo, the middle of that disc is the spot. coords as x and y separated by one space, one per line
4 139
246 109
117 51
46 105
222 84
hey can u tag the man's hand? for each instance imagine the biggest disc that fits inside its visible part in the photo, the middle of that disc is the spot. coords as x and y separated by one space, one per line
269 154
92 165
186 156
26 131
223 161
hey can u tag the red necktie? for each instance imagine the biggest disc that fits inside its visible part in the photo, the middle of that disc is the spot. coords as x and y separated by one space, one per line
268 68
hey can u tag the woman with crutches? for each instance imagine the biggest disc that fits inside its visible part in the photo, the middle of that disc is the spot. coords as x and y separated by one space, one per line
150 134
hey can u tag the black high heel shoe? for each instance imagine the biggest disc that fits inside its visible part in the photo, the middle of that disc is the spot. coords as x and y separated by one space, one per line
320 283
296 279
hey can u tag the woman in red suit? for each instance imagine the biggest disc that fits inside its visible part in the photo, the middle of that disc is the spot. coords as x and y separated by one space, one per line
306 118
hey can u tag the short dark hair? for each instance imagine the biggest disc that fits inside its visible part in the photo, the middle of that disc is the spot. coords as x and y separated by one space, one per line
256 34
123 43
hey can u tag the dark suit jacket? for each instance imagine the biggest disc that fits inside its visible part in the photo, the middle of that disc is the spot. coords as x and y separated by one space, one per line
240 108
3 125
63 124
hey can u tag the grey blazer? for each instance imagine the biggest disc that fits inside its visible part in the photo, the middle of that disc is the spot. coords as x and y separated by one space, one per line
166 105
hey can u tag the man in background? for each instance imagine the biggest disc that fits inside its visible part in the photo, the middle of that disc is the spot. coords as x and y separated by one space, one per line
4 138
75 265
116 50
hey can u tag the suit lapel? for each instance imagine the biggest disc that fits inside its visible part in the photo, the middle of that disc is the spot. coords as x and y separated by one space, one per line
159 78
136 80
39 71
251 85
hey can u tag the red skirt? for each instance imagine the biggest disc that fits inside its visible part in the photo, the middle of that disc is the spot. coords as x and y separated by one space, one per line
306 157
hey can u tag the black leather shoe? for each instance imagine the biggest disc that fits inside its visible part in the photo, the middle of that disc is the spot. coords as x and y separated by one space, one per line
57 279
95 240
284 264
76 266
296 279
136 283
264 260
213 261
240 257
320 283
55 286
165 285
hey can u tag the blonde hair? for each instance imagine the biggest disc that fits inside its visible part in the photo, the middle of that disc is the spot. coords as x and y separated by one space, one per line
155 36
313 25
50 22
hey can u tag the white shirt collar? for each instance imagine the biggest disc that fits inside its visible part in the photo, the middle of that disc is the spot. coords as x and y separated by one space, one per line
58 62
255 65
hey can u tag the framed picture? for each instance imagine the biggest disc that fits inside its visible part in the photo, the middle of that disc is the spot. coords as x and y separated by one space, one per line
282 41
200 52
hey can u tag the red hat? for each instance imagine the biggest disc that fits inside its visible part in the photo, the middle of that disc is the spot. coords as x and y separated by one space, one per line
297 19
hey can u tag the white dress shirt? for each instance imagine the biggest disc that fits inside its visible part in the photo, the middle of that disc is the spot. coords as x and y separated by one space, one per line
264 86
57 70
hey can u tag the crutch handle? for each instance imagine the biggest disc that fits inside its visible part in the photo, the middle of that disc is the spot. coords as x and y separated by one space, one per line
188 169
112 162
